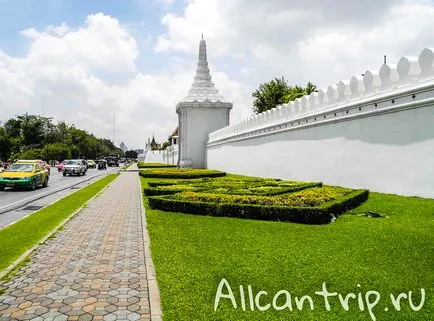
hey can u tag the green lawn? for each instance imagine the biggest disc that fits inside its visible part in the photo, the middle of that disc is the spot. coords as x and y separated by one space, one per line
393 255
23 235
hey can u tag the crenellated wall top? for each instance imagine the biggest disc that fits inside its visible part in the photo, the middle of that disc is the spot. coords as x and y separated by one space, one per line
409 73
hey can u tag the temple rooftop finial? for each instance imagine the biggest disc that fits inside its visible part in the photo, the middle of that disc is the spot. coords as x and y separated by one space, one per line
203 88
202 36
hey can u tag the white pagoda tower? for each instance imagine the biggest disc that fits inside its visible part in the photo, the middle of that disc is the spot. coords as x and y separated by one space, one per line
201 112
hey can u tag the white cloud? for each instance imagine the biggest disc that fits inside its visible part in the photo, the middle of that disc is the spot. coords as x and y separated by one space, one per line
83 75
303 40
101 43
61 77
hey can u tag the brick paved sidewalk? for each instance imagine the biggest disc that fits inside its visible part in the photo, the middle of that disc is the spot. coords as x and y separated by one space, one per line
94 269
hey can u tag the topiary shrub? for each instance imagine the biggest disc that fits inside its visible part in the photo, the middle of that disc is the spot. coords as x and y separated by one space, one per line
307 207
154 165
181 173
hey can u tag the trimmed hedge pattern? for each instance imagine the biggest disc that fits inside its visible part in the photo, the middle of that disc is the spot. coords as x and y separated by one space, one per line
207 192
305 198
180 173
162 188
308 215
154 165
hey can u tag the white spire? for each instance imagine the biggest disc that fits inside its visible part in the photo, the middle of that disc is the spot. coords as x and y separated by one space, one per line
203 88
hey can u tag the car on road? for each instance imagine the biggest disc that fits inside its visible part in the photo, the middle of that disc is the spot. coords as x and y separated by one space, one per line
28 175
102 164
40 161
60 166
75 167
112 160
91 163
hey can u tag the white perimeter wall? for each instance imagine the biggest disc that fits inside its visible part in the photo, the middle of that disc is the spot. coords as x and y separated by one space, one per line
154 157
375 132
391 152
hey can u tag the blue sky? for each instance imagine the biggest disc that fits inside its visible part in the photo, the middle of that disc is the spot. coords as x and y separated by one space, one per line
84 59
17 15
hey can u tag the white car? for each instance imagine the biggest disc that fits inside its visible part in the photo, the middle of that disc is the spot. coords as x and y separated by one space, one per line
75 167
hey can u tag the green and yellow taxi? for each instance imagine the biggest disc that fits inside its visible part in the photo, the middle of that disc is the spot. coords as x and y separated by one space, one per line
26 174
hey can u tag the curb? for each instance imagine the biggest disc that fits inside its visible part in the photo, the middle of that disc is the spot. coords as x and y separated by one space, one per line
151 276
6 271
30 199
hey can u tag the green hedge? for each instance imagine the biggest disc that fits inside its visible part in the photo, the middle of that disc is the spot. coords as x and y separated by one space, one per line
154 165
307 215
263 190
181 173
164 188
170 189
166 182
310 197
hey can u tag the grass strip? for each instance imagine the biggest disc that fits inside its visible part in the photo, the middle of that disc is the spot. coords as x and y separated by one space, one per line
16 239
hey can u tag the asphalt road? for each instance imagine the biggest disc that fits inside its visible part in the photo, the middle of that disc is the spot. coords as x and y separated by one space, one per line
57 181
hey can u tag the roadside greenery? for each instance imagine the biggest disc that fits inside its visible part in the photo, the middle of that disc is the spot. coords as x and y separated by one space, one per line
180 173
230 184
154 165
277 92
36 137
250 197
16 239
355 254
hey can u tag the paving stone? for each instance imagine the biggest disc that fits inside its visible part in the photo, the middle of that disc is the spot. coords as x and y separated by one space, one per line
94 269
110 317
85 317
133 316
111 308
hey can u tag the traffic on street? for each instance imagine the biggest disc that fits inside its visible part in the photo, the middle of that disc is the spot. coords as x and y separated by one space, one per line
12 195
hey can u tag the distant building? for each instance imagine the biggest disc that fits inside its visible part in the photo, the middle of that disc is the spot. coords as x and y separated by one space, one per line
123 147
173 139
139 151
152 144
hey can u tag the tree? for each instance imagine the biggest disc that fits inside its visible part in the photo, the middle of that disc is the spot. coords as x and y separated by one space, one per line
56 151
131 154
33 129
13 128
5 145
297 92
165 145
270 95
277 92
32 136
30 153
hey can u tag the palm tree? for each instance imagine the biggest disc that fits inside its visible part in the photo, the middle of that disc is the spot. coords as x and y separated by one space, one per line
297 91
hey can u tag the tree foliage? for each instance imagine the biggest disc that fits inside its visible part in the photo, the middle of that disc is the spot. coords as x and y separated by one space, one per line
32 136
277 92
131 154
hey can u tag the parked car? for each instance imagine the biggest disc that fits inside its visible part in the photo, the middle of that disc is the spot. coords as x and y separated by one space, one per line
22 174
75 167
91 163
